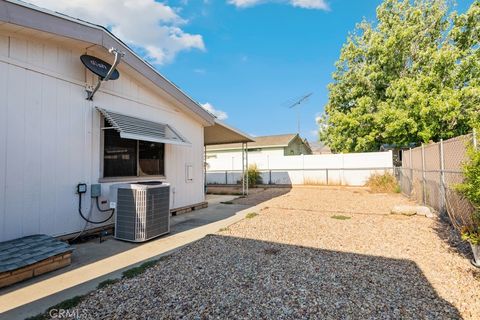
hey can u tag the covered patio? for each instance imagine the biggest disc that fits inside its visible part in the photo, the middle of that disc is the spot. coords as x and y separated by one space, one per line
221 133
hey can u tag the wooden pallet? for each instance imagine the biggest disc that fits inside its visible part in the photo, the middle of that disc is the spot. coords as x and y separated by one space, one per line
186 209
56 262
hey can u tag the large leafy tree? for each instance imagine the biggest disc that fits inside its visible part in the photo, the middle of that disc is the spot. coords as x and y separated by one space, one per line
411 77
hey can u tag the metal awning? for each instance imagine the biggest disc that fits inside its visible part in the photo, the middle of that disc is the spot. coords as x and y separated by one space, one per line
221 133
139 129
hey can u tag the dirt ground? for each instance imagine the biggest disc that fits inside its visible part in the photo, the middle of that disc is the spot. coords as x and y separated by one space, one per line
308 253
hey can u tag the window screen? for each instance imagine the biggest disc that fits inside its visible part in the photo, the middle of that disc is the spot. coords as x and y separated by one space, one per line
121 159
151 158
119 156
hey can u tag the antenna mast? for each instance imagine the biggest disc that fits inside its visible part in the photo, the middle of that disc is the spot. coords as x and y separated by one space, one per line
298 103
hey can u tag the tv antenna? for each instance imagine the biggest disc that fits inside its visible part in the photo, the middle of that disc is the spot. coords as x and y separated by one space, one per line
298 102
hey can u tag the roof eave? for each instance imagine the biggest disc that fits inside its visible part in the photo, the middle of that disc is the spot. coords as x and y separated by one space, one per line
33 17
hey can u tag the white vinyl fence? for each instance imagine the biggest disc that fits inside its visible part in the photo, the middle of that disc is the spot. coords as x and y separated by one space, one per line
351 169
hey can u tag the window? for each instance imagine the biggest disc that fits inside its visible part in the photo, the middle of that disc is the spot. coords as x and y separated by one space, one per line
131 158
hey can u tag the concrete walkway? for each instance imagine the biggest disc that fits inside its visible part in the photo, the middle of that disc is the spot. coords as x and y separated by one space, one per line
94 262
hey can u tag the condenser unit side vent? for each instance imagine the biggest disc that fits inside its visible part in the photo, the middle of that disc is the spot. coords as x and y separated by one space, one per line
143 212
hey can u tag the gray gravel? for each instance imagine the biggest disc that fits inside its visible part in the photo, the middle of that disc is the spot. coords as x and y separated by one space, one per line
294 261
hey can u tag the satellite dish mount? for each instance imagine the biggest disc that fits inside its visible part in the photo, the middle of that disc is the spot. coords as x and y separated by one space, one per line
102 69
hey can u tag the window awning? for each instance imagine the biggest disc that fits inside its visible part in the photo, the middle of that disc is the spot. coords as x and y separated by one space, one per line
139 129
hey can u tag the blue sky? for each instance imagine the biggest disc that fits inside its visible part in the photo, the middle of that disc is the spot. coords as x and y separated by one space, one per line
258 58
246 58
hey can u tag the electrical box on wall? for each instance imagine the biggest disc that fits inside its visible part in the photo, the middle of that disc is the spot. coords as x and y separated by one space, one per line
96 190
81 188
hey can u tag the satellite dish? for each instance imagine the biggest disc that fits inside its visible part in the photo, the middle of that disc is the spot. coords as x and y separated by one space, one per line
99 67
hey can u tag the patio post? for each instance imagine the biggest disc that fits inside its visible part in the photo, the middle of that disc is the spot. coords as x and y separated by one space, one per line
243 169
246 162
205 168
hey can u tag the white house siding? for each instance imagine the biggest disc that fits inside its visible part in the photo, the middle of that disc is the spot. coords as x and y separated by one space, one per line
50 136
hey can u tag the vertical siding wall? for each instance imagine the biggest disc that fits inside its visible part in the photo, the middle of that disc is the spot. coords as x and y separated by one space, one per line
50 137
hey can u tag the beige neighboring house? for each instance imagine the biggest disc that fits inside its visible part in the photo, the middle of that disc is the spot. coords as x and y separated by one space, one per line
277 145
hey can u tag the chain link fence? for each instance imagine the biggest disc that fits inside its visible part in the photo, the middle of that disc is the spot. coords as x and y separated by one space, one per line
429 174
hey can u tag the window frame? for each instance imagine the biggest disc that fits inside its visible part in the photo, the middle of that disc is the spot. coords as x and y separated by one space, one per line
138 177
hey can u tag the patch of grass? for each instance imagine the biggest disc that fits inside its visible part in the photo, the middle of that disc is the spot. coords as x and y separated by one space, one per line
340 217
106 283
383 183
69 303
223 229
271 251
226 202
64 305
131 273
251 215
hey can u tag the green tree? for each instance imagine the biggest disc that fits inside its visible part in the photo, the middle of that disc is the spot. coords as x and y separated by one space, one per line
411 77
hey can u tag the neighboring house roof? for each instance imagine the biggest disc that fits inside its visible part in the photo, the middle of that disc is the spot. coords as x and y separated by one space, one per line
279 141
33 17
319 147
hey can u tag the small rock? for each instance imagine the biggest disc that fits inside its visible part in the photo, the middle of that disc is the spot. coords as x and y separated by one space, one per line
425 211
413 210
405 210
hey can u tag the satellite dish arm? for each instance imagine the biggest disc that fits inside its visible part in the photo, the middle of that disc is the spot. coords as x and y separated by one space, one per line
118 58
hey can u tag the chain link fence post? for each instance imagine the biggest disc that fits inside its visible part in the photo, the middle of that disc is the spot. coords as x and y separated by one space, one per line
424 182
442 178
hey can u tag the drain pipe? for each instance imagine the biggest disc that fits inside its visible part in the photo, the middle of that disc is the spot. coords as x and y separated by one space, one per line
116 62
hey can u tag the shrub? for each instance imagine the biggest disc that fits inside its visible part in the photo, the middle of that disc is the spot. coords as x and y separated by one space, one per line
340 217
383 183
251 215
254 176
470 189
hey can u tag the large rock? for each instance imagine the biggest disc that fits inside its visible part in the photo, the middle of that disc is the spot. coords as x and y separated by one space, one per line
412 210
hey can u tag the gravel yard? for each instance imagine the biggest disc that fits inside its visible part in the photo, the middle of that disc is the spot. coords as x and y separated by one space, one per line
314 252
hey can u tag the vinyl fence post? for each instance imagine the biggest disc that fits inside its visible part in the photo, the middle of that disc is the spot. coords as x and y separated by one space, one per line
474 138
410 186
424 186
303 170
442 178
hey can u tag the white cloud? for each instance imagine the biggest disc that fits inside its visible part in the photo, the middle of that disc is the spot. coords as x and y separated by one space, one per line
306 4
245 3
221 115
151 26
310 4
